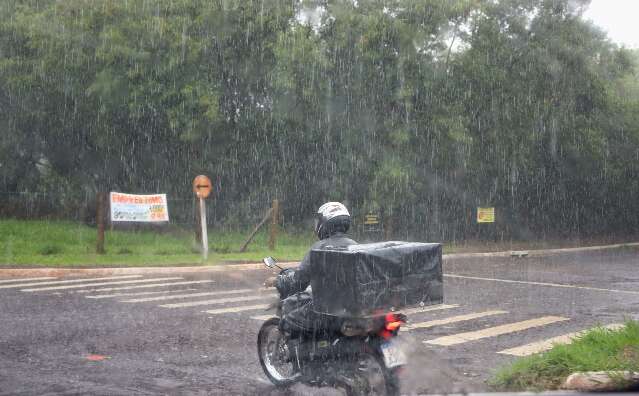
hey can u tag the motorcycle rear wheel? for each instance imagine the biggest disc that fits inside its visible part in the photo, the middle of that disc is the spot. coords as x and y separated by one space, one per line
275 358
372 377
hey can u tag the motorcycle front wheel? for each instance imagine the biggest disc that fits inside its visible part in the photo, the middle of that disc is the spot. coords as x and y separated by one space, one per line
275 358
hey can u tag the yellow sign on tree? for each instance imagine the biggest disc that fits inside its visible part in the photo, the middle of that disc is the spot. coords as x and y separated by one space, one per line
485 215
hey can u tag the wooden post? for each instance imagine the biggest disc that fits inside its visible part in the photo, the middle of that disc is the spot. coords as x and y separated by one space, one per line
108 211
257 228
99 220
275 216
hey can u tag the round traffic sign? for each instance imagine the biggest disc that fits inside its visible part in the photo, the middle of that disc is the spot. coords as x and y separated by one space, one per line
202 186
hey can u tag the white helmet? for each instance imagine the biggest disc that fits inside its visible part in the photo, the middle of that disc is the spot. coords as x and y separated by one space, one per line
331 217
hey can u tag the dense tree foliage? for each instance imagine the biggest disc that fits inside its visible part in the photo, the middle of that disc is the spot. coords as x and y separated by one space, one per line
423 109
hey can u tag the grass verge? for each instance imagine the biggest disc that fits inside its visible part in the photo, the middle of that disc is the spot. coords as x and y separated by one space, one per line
66 244
597 350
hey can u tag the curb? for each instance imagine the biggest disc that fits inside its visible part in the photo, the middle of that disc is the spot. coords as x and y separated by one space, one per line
59 272
541 252
105 271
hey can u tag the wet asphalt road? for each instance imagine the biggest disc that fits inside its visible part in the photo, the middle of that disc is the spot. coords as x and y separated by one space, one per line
48 337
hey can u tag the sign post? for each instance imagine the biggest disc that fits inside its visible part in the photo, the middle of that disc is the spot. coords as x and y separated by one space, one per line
371 226
486 215
202 189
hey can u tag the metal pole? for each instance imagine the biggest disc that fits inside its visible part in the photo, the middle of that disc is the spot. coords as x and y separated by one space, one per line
198 221
205 237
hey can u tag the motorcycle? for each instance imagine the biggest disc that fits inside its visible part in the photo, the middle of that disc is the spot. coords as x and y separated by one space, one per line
360 355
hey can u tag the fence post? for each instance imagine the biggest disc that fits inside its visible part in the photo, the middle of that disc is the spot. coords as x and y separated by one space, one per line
259 225
99 219
275 216
108 211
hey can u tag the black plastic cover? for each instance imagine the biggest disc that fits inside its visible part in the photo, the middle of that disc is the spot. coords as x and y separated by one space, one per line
366 279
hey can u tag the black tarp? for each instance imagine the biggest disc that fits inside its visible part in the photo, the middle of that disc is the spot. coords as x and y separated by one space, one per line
365 279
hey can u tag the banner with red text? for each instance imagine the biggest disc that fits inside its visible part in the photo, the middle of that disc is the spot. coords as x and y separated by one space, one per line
142 208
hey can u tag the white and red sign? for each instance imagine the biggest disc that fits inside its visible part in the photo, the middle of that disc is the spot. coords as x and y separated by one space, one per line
139 208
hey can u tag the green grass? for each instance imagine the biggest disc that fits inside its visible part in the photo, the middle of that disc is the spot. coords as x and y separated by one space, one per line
60 244
597 350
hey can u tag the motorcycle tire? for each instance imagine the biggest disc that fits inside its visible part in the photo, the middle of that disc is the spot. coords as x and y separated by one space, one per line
271 352
392 381
391 386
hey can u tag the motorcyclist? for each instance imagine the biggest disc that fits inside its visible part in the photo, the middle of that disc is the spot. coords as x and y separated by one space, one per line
331 224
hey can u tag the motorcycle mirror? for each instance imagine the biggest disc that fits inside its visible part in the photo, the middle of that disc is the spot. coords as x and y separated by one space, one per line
269 261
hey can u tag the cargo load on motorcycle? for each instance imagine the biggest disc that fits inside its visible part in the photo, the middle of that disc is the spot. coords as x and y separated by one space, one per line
367 279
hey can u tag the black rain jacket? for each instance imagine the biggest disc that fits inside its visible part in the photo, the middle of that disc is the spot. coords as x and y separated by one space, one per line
293 281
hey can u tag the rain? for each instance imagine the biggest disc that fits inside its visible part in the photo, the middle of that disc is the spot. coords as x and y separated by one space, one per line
422 110
417 115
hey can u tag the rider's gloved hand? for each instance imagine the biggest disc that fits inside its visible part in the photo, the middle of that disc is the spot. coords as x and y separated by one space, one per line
270 282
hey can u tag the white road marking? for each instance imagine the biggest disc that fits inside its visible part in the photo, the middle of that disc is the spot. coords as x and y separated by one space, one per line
108 289
63 282
411 311
541 346
174 296
27 279
216 301
262 318
542 284
452 319
97 296
236 309
37 289
494 331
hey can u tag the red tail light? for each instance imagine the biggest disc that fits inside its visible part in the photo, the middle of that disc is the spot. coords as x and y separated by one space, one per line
392 323
392 326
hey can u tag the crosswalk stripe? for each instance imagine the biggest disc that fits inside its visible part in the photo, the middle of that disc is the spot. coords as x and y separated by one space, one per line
109 289
429 308
494 331
27 279
37 289
262 318
63 282
216 301
452 319
409 311
236 309
174 296
544 345
99 296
